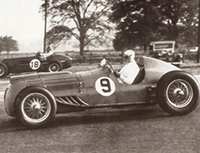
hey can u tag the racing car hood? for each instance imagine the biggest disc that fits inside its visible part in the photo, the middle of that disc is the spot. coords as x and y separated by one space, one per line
57 83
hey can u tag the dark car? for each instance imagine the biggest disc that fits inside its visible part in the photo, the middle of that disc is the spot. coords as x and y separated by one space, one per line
40 62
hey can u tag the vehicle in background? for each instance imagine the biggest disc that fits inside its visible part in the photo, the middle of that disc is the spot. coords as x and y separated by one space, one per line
40 62
165 50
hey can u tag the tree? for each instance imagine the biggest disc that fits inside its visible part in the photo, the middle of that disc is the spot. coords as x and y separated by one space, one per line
137 21
7 43
142 21
190 32
85 20
177 17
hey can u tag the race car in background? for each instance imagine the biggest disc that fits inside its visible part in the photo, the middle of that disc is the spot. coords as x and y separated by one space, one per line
39 62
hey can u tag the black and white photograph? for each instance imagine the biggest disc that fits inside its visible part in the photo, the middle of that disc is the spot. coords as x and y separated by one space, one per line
99 76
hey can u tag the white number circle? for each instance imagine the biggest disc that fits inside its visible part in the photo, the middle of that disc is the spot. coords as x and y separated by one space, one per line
105 86
34 64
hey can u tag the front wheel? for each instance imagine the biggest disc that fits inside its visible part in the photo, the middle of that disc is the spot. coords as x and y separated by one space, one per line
35 108
3 70
178 93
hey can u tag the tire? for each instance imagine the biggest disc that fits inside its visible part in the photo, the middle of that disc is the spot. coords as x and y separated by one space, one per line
178 93
35 107
54 67
3 70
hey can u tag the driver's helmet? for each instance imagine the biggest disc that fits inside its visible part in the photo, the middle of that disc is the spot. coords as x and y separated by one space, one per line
39 53
129 53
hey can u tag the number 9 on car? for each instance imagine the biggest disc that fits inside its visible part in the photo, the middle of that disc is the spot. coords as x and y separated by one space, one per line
105 86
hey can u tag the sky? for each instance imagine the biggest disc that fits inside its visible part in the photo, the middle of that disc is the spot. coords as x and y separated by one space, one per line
22 20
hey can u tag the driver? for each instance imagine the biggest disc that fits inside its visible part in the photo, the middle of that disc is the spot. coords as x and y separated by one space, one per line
129 72
45 55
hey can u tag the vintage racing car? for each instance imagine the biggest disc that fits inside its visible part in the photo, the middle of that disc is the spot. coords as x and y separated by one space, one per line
39 62
36 98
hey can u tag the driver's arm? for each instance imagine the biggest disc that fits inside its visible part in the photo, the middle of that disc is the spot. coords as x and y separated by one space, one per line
117 74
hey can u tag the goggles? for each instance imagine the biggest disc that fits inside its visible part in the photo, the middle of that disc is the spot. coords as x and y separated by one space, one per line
126 56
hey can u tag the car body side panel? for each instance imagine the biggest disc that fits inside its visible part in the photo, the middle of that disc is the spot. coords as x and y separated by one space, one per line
131 93
155 69
66 61
123 93
15 65
86 87
59 57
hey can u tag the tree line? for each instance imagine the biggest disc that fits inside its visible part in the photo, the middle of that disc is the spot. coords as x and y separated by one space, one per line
134 22
141 21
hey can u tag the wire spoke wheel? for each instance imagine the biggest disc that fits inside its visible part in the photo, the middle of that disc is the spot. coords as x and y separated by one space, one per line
35 107
179 93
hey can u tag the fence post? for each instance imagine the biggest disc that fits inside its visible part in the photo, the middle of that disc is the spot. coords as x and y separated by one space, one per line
90 62
122 59
184 56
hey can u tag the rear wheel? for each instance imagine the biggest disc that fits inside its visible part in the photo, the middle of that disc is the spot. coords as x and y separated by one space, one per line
54 67
35 108
178 93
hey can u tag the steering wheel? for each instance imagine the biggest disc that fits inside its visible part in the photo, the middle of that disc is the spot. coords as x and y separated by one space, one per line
109 65
105 63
